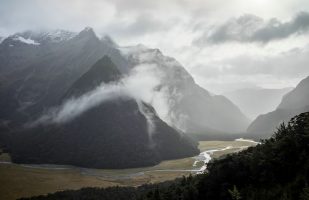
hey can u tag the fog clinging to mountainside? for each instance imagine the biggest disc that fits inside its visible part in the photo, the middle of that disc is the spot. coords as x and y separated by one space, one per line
226 46
225 52
127 87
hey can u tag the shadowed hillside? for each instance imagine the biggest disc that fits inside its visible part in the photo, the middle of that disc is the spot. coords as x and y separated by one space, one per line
113 133
275 169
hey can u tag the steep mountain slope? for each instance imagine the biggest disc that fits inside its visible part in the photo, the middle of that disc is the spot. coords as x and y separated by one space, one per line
293 103
190 107
38 68
94 77
297 98
256 101
111 134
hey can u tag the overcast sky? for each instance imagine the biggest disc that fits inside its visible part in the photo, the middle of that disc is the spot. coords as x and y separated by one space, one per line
225 45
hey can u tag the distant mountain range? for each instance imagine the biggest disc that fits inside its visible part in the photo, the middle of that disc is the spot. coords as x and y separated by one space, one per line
51 81
293 103
256 101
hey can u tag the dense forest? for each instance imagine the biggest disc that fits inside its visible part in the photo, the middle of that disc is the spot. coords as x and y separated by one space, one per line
275 169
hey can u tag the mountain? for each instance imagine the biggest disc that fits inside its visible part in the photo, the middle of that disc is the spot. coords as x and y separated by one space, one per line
38 68
114 133
190 107
293 103
94 77
256 101
255 173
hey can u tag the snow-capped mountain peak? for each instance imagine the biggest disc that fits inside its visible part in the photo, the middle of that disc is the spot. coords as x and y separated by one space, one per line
58 35
43 37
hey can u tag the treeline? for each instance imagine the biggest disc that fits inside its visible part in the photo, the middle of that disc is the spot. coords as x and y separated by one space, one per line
278 168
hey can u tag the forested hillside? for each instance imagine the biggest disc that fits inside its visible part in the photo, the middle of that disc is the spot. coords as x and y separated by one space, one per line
275 169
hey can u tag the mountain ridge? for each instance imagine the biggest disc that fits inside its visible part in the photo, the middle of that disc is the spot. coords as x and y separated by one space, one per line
110 134
255 101
293 103
188 101
43 73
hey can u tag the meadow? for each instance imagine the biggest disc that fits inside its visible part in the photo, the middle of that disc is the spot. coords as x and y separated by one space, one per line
30 180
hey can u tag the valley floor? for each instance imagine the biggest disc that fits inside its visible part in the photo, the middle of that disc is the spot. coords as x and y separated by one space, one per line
30 180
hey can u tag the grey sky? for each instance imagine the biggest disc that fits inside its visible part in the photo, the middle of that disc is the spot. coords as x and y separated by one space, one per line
251 28
225 45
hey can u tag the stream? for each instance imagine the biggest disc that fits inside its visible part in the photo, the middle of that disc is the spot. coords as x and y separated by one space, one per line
204 157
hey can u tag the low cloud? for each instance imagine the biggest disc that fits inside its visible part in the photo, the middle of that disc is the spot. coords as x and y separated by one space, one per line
290 64
127 88
251 28
76 106
143 24
285 69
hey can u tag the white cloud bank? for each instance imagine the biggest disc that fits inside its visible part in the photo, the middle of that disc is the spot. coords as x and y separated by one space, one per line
140 85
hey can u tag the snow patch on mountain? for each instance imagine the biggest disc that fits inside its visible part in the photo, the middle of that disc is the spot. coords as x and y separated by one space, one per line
26 41
43 37
58 35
